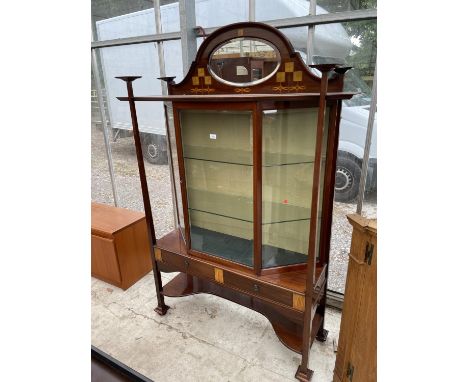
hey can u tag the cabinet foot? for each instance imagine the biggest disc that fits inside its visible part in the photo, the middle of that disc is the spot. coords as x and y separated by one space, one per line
161 310
322 335
304 376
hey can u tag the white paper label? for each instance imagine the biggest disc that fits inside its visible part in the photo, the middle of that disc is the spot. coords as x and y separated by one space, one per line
212 136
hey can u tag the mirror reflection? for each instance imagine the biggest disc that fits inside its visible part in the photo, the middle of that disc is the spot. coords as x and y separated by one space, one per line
244 61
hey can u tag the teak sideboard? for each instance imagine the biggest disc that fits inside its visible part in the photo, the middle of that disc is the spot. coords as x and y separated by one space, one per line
119 245
252 137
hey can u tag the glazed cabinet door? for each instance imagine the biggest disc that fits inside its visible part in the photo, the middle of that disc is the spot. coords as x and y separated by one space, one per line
288 164
217 148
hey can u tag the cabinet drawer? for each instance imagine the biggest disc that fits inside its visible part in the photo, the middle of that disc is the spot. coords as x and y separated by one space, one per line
190 266
174 261
199 269
244 284
104 263
259 289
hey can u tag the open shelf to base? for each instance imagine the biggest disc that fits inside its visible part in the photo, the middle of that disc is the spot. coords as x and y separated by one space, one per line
288 327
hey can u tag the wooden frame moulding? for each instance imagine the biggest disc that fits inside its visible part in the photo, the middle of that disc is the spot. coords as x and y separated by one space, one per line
257 187
168 138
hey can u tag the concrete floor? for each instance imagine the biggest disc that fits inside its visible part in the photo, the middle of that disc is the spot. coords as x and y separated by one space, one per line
201 338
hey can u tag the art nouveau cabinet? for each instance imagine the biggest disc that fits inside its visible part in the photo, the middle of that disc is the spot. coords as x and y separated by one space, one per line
252 135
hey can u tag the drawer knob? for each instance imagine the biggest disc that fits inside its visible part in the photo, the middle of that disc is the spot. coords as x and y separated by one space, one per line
256 288
186 263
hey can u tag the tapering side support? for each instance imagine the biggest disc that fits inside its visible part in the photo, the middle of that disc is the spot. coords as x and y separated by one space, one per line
303 372
162 308
333 140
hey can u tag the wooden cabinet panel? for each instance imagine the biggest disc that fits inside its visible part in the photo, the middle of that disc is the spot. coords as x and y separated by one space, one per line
356 359
363 355
133 253
104 264
120 250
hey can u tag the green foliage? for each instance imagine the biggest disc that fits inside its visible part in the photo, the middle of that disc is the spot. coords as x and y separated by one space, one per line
363 34
364 50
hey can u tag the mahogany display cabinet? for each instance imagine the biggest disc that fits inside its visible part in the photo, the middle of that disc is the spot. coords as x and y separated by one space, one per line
252 141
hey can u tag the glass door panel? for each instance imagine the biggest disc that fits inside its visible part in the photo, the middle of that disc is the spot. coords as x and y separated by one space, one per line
217 147
288 151
175 168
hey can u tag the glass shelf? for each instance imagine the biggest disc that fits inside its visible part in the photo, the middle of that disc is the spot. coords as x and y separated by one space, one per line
280 159
232 207
221 155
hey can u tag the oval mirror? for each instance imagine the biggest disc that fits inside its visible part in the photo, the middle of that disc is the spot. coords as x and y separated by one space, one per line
244 61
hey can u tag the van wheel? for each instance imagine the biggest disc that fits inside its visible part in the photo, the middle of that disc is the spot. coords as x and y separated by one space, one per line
154 149
347 177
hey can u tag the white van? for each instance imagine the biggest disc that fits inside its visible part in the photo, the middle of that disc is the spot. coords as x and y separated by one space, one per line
330 40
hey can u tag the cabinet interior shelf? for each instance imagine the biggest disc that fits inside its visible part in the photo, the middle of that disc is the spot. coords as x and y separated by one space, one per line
244 158
227 206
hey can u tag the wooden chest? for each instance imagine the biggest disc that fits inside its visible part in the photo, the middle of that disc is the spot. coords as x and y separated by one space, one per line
120 252
356 360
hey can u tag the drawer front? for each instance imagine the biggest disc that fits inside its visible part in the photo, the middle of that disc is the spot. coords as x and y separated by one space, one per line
104 263
197 268
174 261
183 264
258 289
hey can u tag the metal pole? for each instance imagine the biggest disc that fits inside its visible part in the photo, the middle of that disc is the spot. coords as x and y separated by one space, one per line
251 10
370 129
187 32
162 66
311 32
162 73
100 98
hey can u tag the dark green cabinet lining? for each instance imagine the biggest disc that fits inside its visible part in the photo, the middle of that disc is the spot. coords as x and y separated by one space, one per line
240 250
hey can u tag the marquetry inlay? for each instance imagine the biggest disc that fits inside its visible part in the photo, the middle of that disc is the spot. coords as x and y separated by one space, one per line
289 79
289 67
297 76
157 254
298 302
218 274
242 90
202 82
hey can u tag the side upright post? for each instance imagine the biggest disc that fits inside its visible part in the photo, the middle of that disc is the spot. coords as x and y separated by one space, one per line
333 140
303 373
162 308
